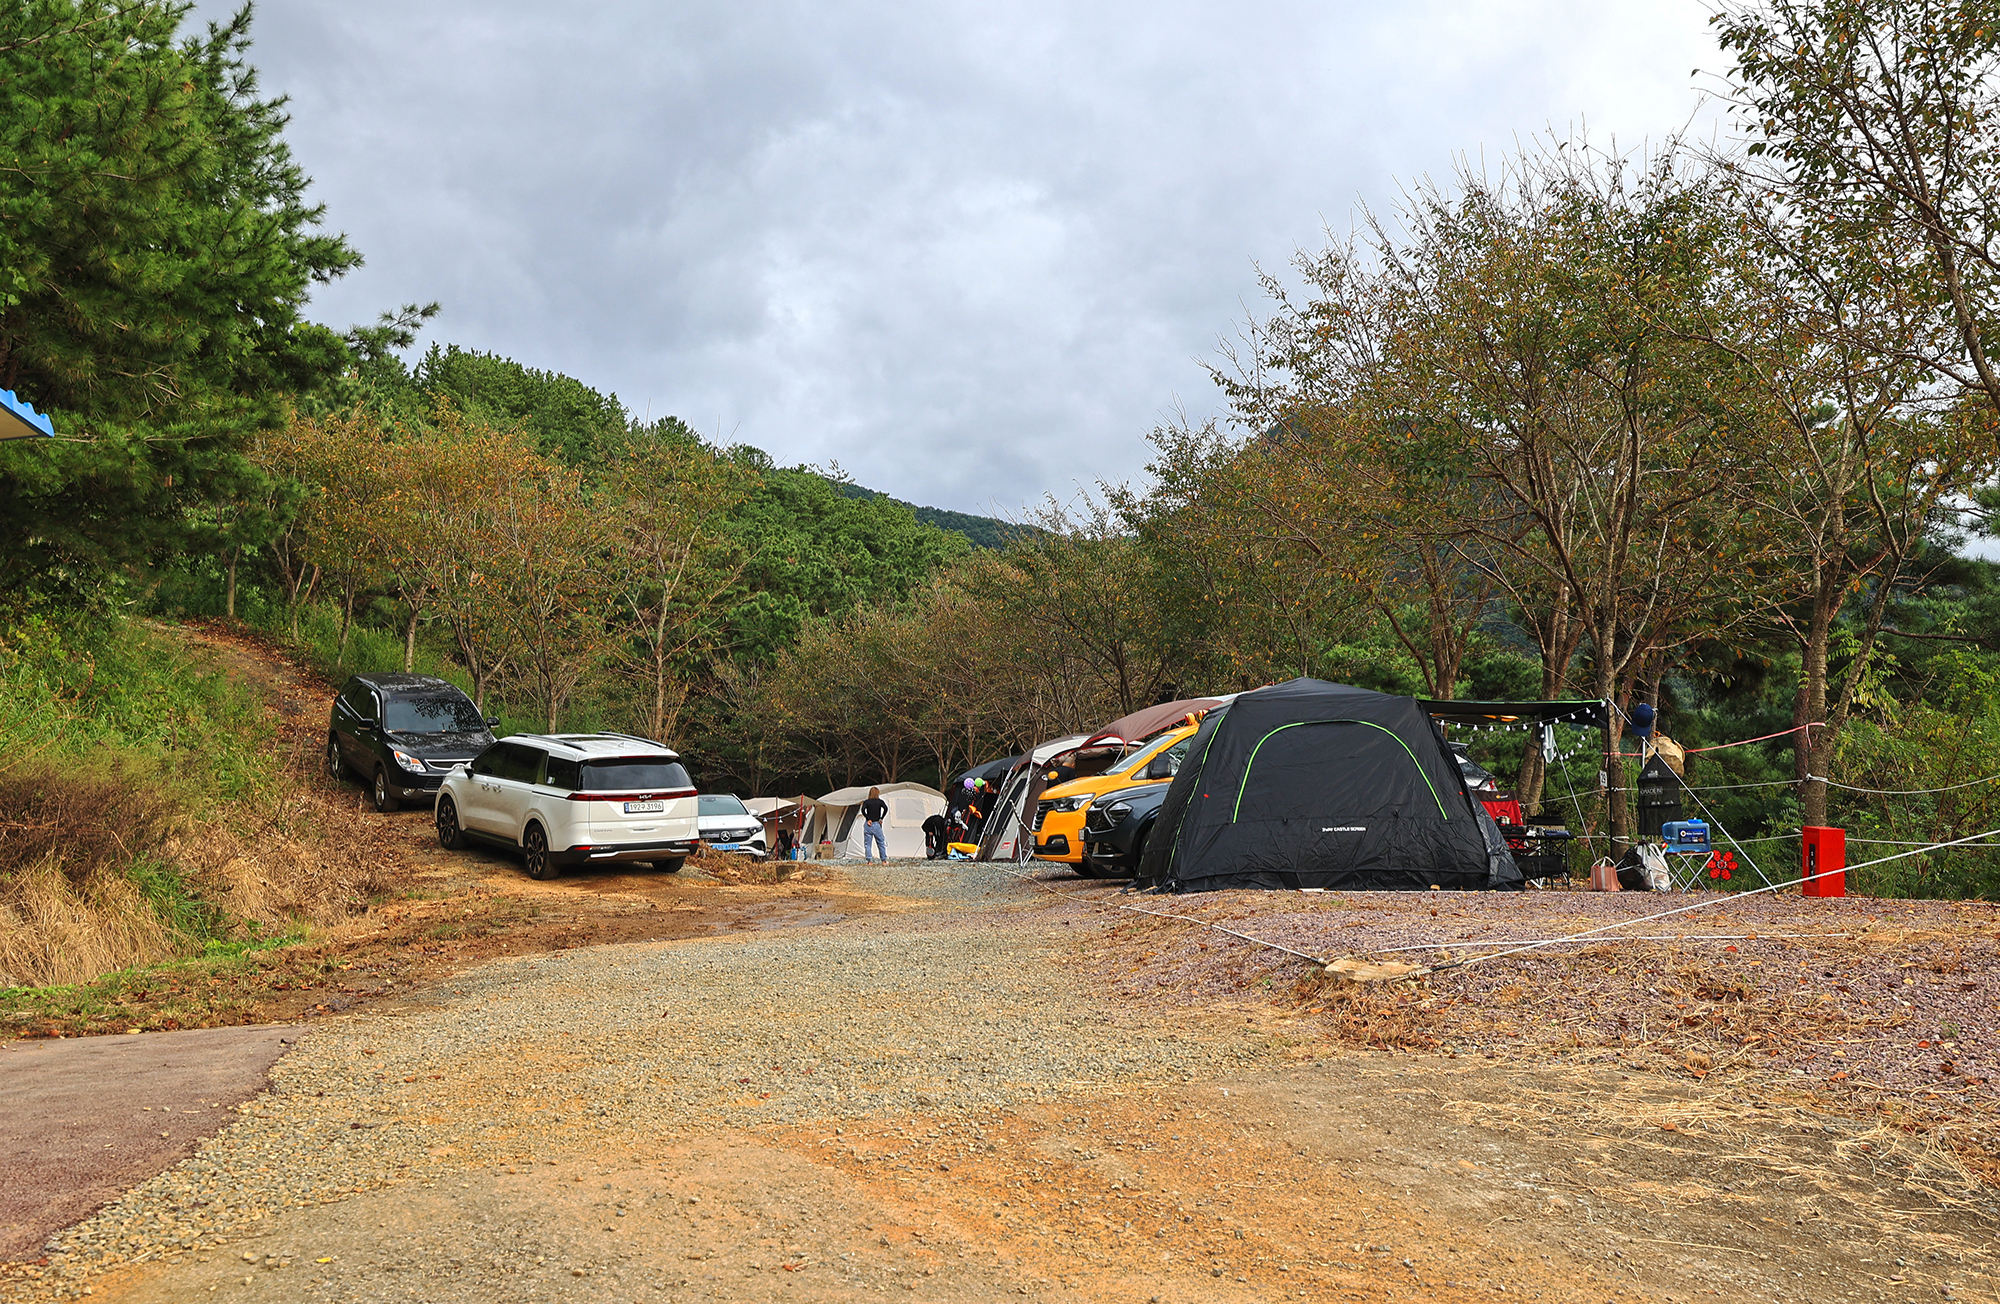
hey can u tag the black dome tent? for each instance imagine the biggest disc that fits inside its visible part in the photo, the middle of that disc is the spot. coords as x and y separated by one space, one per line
1312 784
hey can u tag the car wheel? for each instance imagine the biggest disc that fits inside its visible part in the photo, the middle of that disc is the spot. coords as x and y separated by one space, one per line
385 800
671 865
450 836
336 764
1131 867
535 856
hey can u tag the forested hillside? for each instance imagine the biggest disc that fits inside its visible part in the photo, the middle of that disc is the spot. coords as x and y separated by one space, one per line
1705 429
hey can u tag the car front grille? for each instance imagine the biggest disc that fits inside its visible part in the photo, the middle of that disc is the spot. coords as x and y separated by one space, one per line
1098 821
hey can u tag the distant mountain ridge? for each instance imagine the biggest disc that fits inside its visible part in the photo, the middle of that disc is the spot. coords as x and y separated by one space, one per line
984 531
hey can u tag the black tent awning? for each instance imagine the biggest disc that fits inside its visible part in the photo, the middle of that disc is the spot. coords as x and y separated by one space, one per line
1586 714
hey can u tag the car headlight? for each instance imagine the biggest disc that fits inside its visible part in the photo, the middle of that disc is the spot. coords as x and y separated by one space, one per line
407 761
1068 803
1118 810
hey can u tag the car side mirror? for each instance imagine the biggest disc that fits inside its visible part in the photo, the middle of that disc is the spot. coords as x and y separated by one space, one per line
492 722
1159 768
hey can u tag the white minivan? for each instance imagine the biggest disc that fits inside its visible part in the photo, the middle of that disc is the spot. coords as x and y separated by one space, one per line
573 799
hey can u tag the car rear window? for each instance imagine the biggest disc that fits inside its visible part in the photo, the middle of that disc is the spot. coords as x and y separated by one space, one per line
723 804
634 774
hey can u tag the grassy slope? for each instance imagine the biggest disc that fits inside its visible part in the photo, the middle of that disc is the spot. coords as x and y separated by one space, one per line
147 814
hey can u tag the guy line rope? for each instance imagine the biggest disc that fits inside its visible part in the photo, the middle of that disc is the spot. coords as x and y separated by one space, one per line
1522 948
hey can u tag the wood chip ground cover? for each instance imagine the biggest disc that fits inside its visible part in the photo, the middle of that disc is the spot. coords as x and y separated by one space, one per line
1881 1008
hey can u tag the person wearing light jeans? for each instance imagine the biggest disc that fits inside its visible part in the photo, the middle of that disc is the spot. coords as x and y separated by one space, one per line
873 812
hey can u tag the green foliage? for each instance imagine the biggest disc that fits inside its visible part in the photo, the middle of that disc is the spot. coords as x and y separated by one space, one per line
812 551
157 252
1931 752
567 419
114 694
983 531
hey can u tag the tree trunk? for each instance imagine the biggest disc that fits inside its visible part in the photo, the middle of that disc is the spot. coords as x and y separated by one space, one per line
1616 816
1807 707
312 587
410 640
229 596
346 617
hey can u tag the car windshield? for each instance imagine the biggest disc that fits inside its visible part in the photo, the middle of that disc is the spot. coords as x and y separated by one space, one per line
722 803
435 714
1145 752
634 774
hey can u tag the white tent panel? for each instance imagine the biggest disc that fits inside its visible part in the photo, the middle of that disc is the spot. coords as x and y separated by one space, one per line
836 818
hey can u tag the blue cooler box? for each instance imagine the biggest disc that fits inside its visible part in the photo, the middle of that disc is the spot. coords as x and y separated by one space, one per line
1687 837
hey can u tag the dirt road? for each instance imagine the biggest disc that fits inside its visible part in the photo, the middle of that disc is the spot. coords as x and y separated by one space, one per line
938 1096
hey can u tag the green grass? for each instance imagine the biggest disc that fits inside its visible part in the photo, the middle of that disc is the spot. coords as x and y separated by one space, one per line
98 694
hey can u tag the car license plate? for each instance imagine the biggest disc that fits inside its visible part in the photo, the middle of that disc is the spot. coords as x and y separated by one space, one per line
644 807
728 846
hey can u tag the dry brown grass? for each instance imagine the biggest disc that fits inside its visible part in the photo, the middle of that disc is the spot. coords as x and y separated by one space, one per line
73 843
1370 1015
55 928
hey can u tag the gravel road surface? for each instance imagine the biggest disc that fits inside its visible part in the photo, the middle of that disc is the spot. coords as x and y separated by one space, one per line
945 1097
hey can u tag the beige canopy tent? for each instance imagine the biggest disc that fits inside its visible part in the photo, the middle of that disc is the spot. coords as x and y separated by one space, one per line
836 818
780 813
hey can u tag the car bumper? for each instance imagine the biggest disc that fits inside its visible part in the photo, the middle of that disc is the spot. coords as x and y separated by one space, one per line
594 854
1111 849
1057 847
738 848
1058 837
407 785
1102 856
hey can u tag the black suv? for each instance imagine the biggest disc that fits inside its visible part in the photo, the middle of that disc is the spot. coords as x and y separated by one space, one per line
402 734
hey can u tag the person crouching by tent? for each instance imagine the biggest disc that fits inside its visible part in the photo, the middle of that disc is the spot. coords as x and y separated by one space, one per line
873 812
935 837
975 810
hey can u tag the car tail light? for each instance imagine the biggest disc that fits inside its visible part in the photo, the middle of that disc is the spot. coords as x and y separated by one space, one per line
668 795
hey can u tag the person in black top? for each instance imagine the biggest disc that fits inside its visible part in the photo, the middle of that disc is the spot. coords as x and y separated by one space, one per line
873 812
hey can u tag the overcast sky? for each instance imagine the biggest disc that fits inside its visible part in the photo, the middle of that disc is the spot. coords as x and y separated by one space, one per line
971 251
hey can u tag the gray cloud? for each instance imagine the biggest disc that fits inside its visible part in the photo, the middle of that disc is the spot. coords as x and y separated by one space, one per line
971 251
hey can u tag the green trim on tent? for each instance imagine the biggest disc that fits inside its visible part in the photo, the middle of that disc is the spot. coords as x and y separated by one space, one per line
1298 724
1201 770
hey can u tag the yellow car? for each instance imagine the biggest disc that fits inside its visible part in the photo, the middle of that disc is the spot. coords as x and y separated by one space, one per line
1059 818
